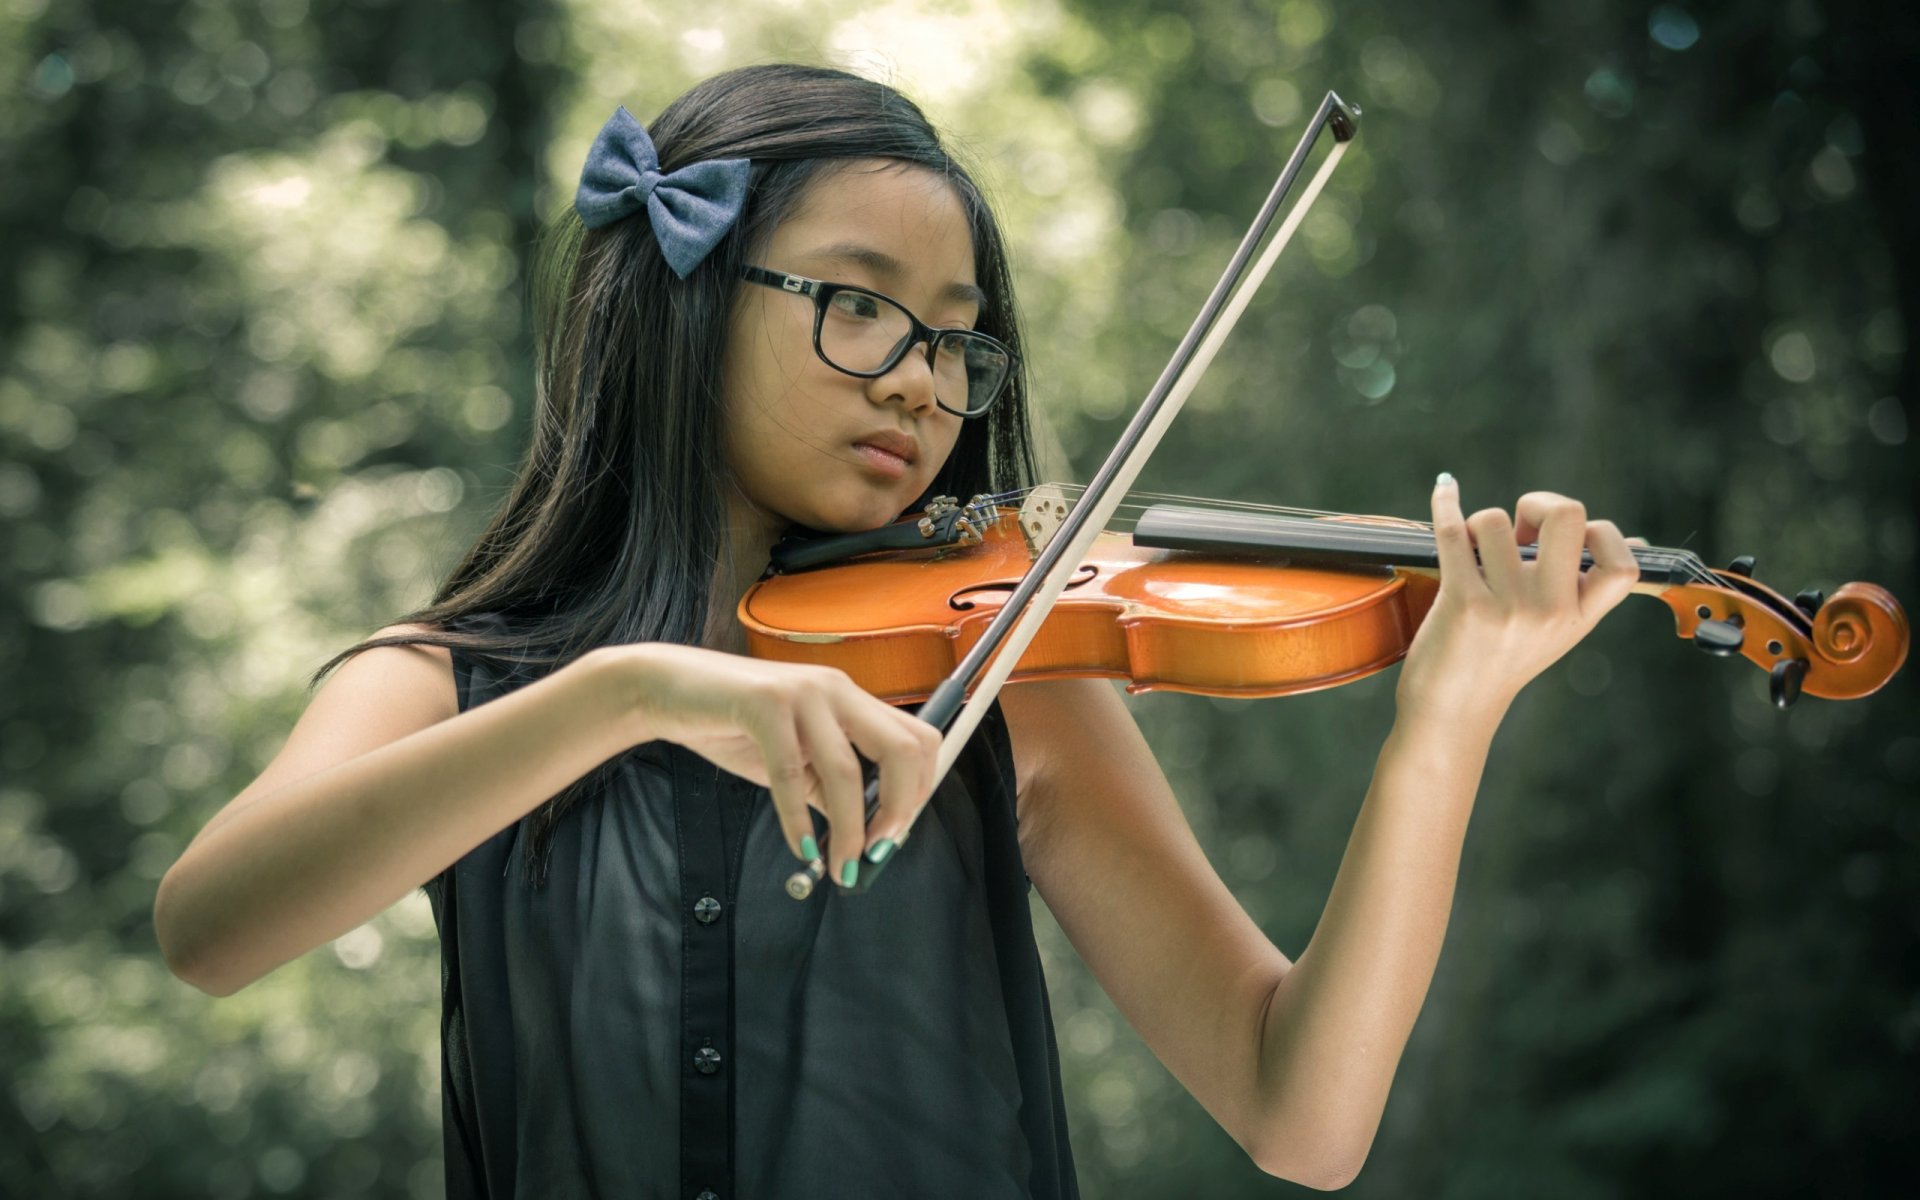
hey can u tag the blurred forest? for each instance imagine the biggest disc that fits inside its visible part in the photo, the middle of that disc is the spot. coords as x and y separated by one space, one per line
264 369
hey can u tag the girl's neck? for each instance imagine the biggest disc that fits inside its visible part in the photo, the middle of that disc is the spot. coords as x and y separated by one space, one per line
750 535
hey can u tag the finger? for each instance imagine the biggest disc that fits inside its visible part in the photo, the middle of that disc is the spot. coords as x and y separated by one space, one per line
790 781
1452 542
1559 525
1615 571
1638 543
1492 532
904 748
1528 514
842 787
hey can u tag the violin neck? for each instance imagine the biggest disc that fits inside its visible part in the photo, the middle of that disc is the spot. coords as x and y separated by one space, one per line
1326 542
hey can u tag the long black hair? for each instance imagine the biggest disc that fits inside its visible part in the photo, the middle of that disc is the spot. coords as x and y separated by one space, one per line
614 524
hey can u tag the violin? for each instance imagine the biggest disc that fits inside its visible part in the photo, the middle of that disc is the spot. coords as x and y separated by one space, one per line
1235 600
1229 600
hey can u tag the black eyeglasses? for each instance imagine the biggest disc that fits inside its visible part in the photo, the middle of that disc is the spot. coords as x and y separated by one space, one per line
865 334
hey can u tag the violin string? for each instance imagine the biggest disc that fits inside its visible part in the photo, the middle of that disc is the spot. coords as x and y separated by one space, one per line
1192 501
1399 532
1413 535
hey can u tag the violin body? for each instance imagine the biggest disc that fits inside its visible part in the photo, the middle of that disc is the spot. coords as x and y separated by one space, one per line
1163 620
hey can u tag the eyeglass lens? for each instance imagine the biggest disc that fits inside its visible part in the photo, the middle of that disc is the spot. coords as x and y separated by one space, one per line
860 332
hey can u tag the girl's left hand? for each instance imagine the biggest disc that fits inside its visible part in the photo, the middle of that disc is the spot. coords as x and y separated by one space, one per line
1499 622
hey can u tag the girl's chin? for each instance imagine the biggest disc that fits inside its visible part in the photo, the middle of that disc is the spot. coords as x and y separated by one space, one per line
853 517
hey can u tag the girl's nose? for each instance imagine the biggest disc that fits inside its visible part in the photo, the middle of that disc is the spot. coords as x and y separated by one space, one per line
910 381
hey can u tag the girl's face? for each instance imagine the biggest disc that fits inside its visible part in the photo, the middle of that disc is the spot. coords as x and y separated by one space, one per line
807 443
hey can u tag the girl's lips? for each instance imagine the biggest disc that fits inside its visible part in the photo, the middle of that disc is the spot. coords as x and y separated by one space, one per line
884 461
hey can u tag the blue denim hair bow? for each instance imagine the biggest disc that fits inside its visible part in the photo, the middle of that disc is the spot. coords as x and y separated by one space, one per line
690 209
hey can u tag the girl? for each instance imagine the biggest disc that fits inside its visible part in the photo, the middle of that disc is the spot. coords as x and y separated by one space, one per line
784 305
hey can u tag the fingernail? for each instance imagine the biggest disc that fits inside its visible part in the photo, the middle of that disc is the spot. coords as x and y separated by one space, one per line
850 872
1443 480
809 849
877 853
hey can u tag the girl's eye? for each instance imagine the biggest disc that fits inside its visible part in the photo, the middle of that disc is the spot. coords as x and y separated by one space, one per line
854 304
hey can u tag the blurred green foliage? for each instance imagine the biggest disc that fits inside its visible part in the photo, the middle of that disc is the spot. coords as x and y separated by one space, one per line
264 367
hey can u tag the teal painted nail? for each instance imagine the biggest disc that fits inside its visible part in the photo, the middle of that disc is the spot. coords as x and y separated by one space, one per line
850 872
809 849
877 853
1444 479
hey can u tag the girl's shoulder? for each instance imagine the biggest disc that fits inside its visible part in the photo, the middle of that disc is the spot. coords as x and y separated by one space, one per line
419 666
438 654
376 697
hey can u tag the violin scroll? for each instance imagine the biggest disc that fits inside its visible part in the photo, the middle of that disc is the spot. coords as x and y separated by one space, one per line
1864 630
1840 649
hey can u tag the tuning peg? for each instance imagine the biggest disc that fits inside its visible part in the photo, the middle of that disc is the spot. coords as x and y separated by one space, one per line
1719 638
1742 566
1783 682
1809 600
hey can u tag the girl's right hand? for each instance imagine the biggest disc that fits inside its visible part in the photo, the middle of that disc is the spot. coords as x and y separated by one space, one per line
792 729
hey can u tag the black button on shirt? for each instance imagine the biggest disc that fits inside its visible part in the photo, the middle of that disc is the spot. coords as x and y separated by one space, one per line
607 1035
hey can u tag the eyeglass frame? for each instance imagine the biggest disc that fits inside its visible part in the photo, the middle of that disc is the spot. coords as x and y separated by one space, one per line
821 292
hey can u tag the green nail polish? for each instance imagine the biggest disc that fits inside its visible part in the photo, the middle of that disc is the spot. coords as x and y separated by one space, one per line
1444 479
877 853
850 872
809 849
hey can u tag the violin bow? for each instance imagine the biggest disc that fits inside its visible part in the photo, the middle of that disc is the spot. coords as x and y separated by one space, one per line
958 705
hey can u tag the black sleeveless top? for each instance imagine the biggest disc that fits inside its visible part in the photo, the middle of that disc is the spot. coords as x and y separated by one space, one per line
659 1018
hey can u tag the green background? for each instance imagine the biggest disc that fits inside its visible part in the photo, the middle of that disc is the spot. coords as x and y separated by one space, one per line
264 368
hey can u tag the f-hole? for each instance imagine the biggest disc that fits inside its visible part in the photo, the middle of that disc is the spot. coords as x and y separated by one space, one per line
959 602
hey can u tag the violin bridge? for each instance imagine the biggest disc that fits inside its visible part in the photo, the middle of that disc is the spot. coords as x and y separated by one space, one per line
1042 514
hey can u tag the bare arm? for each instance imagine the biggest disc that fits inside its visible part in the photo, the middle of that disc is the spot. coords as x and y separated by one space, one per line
1295 1059
383 783
1113 857
1336 1025
291 864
